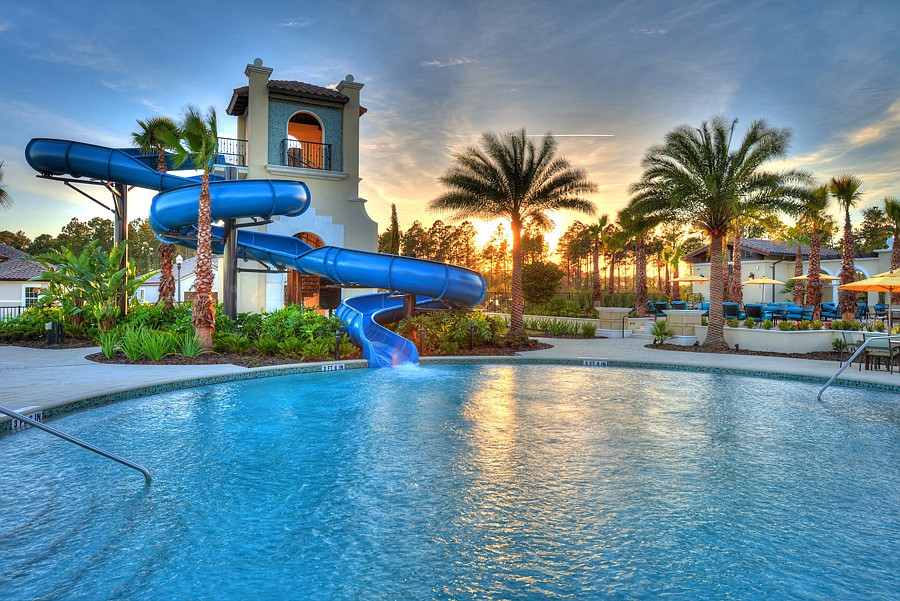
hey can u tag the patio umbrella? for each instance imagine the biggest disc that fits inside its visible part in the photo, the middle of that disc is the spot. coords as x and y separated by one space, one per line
889 282
762 282
691 279
824 277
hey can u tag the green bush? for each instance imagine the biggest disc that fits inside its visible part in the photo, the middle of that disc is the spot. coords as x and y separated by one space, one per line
250 324
266 345
588 329
540 281
734 322
189 345
846 324
445 328
109 343
319 349
348 350
156 344
787 326
749 322
766 324
132 343
704 320
838 345
30 324
291 347
878 326
661 331
230 343
816 324
294 321
805 324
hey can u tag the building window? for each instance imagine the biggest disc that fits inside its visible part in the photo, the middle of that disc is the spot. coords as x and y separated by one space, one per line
32 294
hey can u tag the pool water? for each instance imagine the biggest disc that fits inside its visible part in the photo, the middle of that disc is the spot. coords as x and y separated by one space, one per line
463 482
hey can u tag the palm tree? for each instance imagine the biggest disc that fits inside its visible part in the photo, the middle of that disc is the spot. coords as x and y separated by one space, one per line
150 139
695 177
635 228
510 176
5 200
846 190
892 210
198 142
597 235
812 218
797 236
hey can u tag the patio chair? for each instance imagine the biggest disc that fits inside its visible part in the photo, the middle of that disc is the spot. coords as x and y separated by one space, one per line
830 312
679 305
881 310
704 306
797 313
755 311
656 309
732 310
882 348
852 341
862 312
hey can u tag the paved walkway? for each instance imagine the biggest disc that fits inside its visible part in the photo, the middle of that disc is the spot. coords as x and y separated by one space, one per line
39 379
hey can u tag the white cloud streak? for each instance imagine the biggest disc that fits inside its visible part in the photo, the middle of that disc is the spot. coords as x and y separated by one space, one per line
454 62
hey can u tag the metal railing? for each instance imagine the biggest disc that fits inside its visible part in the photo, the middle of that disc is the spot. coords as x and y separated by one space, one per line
309 155
233 151
10 312
850 361
78 441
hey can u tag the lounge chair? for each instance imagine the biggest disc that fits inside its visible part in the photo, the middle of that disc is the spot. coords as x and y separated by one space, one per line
881 310
755 311
796 313
830 312
679 305
657 309
883 348
704 306
862 312
732 310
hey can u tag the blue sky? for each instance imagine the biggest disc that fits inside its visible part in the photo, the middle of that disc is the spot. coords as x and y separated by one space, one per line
437 74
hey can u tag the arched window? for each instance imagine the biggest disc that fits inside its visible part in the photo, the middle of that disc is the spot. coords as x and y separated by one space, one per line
303 146
304 289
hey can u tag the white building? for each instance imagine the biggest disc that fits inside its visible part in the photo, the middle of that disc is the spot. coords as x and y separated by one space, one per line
16 286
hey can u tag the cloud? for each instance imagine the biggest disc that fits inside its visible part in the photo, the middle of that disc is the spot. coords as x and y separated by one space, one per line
5 26
454 62
878 131
650 31
299 22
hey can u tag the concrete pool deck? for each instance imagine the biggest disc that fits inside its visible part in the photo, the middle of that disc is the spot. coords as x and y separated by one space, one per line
38 379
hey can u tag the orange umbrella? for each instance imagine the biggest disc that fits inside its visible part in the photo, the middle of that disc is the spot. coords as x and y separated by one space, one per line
691 279
823 277
889 282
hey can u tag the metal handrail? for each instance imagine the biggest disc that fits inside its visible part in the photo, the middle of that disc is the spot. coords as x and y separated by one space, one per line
850 362
77 441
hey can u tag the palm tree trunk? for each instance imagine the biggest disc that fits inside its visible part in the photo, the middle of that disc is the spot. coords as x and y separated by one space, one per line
516 323
166 252
676 286
847 298
204 312
799 285
715 334
814 284
895 261
737 289
611 265
640 277
595 286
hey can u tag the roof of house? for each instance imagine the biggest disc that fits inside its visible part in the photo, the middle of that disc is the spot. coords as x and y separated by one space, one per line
187 269
768 248
292 89
15 265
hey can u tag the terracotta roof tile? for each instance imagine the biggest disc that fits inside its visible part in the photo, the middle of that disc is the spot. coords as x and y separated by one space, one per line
8 252
19 269
294 89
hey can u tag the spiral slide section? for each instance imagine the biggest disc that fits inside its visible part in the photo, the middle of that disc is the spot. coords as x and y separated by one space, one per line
173 217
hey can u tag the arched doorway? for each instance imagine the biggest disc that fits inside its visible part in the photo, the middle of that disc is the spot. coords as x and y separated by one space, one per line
304 142
304 289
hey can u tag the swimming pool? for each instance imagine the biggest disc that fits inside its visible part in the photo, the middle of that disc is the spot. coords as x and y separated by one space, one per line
463 482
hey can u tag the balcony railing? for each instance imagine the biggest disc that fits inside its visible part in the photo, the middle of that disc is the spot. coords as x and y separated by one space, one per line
309 155
232 151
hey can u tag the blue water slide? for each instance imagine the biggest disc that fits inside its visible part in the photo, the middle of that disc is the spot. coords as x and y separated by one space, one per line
173 218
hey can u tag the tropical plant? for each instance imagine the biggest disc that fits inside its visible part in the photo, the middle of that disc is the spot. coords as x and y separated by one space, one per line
291 346
5 199
266 345
749 322
588 329
197 142
597 234
787 326
661 331
511 177
87 286
635 226
190 345
813 219
152 138
734 322
318 349
695 177
892 210
230 343
109 343
156 344
133 343
766 324
845 189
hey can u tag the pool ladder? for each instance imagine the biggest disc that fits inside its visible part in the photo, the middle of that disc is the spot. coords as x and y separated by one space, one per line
78 441
848 363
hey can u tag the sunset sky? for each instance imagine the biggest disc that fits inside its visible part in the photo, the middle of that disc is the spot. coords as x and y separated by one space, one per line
437 74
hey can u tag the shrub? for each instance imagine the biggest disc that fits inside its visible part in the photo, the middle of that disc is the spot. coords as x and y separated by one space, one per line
540 281
749 322
250 324
294 321
766 324
845 324
559 327
319 349
661 331
190 345
348 350
816 324
588 329
733 322
230 343
787 326
29 325
155 344
266 345
838 345
805 324
445 327
878 326
704 320
292 347
133 343
109 343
